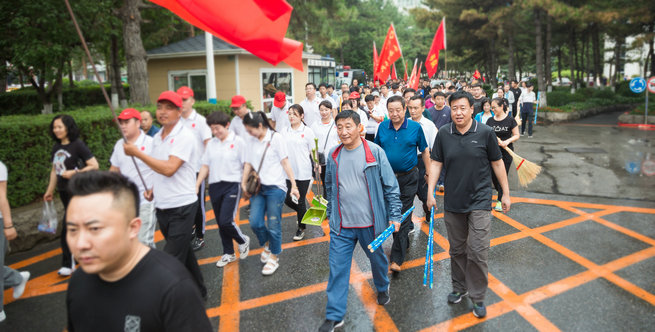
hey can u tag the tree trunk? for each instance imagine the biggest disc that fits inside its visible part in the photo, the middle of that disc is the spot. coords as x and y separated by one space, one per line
547 68
71 82
587 62
518 65
59 87
541 82
559 65
116 83
572 59
494 68
21 79
651 51
511 70
137 74
617 60
3 74
595 45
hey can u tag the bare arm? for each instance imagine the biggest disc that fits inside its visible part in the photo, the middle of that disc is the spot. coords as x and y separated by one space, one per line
287 169
204 170
51 185
425 155
499 170
246 170
9 229
435 170
164 167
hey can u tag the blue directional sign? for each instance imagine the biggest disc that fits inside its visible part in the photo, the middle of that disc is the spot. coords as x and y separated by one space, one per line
637 85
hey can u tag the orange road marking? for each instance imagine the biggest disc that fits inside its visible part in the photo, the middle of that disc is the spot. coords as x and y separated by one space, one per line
377 313
230 297
35 259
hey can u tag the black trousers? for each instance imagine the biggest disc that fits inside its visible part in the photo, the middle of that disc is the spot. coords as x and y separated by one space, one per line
66 255
527 117
370 137
175 224
507 160
408 184
301 207
422 186
199 219
225 202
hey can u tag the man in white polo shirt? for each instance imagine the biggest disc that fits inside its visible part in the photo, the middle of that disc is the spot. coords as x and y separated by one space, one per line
197 124
280 112
174 181
130 122
240 109
310 105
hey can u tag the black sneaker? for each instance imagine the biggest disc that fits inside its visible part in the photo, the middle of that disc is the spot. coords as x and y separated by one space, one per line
300 234
330 325
479 310
197 244
383 298
456 297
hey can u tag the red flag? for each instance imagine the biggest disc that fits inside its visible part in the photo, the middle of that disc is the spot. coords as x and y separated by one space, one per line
375 64
389 54
477 75
413 79
438 43
394 75
405 78
262 34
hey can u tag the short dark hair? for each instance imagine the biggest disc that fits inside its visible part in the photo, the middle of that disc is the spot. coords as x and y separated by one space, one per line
330 86
439 94
254 119
325 103
347 102
417 97
452 87
394 99
298 109
502 102
369 98
219 118
348 114
528 84
476 85
73 132
312 84
120 187
354 88
395 86
322 85
513 81
408 90
461 94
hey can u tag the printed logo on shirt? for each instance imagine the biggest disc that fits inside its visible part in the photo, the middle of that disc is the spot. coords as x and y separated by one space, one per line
193 125
474 142
143 148
231 146
132 323
59 159
172 139
302 136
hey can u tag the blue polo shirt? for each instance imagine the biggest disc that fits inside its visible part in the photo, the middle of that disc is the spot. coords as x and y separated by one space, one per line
400 145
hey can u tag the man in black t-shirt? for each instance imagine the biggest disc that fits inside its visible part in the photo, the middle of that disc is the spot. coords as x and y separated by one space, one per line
516 91
467 151
123 285
476 91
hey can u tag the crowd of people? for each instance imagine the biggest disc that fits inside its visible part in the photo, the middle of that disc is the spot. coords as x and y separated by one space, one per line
377 148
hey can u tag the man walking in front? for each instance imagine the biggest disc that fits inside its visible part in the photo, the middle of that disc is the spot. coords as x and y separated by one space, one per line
363 201
400 138
467 151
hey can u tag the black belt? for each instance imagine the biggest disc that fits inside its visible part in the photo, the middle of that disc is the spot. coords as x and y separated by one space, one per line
405 173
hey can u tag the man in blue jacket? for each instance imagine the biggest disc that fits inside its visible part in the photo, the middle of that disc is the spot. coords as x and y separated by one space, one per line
364 200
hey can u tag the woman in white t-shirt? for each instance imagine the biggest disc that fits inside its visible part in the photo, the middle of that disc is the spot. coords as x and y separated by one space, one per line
266 204
326 132
300 142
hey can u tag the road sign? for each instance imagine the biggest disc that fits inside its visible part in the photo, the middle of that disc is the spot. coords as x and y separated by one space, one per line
637 85
651 84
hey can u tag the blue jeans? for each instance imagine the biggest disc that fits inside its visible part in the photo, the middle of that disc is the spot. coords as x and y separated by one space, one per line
268 202
341 254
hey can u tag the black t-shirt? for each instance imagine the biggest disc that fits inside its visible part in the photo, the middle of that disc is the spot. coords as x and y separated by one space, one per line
467 165
477 106
159 294
517 94
69 157
503 128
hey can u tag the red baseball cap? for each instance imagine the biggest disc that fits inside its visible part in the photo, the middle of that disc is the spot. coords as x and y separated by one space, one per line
354 95
129 113
172 97
237 101
280 99
185 92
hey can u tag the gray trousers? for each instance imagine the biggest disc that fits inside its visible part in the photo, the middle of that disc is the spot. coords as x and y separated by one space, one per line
469 238
10 277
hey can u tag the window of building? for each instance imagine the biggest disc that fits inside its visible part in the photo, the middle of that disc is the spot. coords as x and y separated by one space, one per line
272 81
195 79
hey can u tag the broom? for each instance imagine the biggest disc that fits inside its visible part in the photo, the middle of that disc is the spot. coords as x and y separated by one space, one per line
526 169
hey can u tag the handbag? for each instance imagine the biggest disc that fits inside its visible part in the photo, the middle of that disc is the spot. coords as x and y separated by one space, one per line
253 182
321 155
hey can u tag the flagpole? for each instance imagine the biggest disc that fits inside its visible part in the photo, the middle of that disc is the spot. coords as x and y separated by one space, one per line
401 49
445 45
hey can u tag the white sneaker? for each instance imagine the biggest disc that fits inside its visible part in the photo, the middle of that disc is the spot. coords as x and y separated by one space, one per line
3 316
65 271
244 248
18 290
271 266
266 253
226 259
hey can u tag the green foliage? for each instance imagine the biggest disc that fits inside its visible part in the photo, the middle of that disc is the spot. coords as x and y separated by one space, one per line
27 153
26 101
558 98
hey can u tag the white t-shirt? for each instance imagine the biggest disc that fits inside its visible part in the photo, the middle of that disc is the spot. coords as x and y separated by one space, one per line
429 131
197 124
328 98
281 117
237 127
363 117
271 173
3 176
180 188
311 110
300 143
323 132
225 159
371 124
527 97
126 165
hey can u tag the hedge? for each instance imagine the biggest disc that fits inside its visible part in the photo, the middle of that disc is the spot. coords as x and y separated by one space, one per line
28 145
27 101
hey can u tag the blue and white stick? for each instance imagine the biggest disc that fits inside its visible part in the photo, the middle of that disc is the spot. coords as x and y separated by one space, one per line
387 232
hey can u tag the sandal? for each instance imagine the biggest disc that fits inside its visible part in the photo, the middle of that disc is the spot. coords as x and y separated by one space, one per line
266 253
271 266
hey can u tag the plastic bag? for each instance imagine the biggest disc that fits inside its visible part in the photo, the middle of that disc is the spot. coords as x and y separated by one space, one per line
48 223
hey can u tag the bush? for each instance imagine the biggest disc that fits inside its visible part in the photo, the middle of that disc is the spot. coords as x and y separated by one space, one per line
27 101
559 98
28 145
603 93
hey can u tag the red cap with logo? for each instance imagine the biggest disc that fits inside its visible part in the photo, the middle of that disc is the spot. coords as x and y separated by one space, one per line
280 99
129 113
354 95
185 92
237 101
172 97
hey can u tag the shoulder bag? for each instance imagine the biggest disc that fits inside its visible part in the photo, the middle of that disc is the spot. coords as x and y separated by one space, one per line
253 182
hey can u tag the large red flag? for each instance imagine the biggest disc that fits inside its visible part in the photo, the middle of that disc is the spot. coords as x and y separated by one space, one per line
438 43
405 78
413 79
389 54
394 75
261 34
375 64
